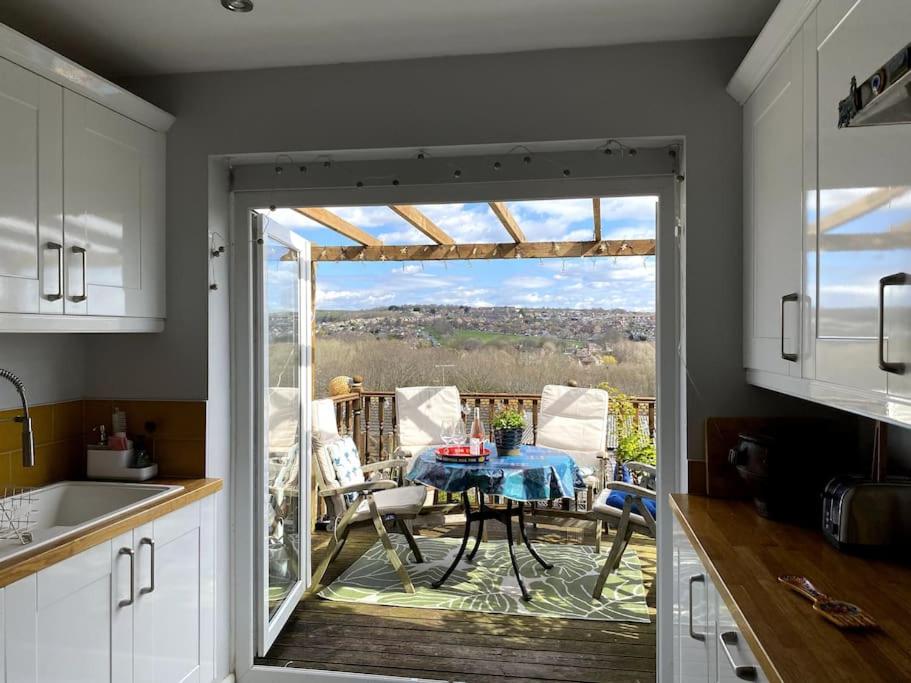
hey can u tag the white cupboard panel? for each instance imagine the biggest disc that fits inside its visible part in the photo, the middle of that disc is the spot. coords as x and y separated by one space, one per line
20 626
30 192
167 614
114 220
773 205
864 195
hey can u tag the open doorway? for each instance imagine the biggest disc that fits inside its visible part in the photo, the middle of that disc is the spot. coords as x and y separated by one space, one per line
342 626
499 329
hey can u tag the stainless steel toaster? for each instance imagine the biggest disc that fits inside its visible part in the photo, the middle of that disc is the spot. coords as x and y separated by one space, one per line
863 516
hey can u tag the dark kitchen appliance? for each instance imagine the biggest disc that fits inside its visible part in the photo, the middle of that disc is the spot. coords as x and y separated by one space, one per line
786 471
868 517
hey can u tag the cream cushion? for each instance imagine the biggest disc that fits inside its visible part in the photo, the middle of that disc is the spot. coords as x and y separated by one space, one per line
284 418
574 420
420 412
405 500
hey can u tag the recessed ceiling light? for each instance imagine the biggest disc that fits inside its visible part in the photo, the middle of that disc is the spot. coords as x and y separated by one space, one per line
238 5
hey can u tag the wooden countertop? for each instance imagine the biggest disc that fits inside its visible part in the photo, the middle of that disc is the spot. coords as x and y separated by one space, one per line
745 553
193 489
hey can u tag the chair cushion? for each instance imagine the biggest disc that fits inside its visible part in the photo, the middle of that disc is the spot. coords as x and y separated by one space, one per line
346 463
616 500
404 500
420 412
573 418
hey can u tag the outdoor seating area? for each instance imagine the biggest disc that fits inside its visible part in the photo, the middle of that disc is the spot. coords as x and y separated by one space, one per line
407 535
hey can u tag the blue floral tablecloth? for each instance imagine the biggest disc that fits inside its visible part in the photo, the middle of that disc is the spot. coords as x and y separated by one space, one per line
535 474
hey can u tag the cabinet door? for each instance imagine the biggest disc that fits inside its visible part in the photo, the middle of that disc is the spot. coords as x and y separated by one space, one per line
114 218
31 192
167 614
773 216
734 660
692 622
864 201
72 621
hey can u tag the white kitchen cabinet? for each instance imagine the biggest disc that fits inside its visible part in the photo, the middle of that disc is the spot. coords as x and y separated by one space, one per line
851 191
70 621
135 609
166 617
773 217
692 623
114 212
31 192
82 198
708 644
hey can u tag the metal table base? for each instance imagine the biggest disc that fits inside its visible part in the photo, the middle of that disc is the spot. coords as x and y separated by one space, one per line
504 516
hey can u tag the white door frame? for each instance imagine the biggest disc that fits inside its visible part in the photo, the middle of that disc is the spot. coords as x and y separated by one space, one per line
670 353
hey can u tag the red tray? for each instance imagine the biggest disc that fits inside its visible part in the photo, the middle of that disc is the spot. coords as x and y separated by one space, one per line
460 452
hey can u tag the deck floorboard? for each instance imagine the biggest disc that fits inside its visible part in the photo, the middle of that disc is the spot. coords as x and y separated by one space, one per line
465 646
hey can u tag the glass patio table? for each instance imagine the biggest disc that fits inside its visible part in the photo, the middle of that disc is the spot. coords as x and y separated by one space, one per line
536 474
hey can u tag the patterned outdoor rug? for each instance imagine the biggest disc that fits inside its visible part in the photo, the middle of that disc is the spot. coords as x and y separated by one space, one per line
488 585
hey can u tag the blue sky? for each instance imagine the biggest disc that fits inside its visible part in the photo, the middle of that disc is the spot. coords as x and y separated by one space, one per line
625 282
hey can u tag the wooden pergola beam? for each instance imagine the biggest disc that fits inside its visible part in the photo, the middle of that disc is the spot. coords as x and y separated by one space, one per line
462 252
596 213
858 208
881 241
505 217
330 220
422 223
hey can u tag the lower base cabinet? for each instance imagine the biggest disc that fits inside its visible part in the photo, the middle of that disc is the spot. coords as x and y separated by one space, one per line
136 609
708 646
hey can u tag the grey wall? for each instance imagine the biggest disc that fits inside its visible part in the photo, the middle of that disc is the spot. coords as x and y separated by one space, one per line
52 366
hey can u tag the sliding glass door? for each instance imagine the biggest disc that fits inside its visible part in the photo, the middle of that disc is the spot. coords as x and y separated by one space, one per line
283 392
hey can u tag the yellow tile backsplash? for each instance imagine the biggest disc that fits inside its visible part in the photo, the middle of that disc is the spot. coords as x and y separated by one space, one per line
62 430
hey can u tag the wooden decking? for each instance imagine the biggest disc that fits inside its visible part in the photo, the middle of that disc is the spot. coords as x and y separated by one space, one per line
465 646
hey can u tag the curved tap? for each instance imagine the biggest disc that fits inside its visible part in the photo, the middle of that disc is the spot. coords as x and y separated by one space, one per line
28 440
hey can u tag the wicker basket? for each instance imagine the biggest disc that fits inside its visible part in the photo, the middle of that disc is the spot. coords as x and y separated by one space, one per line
339 386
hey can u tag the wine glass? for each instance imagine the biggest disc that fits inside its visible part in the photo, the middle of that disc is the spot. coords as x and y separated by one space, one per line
459 433
446 431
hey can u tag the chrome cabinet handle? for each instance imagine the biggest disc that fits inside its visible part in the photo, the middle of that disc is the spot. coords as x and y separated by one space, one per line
82 251
151 587
129 601
896 279
793 296
745 671
698 578
59 248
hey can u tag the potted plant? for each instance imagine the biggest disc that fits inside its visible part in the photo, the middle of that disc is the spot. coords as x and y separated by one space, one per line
508 427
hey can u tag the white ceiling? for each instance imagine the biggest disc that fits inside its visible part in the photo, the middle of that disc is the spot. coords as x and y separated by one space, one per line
136 37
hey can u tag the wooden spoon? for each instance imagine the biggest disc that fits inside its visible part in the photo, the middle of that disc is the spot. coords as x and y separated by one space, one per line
842 614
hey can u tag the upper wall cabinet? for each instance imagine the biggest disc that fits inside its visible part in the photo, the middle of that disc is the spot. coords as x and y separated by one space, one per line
830 208
773 217
113 212
82 198
31 192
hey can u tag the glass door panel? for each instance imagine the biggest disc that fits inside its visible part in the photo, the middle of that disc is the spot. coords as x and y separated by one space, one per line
283 357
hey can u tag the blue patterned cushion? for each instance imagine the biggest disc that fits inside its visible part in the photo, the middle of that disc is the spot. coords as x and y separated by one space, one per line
346 462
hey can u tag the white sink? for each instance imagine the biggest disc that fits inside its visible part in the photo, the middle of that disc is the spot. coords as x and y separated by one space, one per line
67 509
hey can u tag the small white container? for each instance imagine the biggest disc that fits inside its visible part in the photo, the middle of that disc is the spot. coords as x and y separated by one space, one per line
104 463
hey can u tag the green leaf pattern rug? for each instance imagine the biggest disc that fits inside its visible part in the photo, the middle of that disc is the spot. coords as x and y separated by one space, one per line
487 584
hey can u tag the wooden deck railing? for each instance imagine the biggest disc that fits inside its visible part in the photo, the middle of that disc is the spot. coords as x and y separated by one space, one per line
370 417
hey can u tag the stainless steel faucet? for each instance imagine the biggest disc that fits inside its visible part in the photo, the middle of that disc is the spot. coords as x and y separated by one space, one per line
28 440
